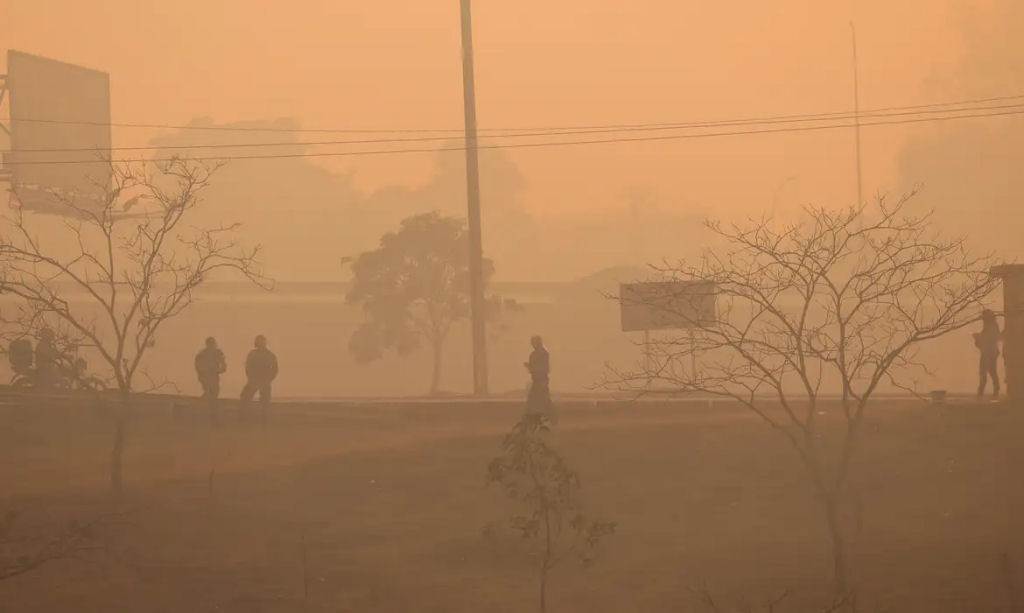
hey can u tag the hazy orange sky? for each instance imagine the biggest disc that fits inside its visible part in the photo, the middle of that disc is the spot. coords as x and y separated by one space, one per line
396 64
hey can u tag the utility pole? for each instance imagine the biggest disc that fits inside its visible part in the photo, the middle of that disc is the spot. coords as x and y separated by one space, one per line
476 255
856 113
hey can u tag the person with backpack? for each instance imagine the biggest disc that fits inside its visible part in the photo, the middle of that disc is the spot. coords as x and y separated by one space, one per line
987 342
260 372
20 356
210 365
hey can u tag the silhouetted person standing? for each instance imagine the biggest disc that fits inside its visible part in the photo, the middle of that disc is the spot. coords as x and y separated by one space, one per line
538 400
987 342
260 370
210 365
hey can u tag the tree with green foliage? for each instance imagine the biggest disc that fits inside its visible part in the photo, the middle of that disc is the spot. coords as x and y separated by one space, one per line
535 475
413 287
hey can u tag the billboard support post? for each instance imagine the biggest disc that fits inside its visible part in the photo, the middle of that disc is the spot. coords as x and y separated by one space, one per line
693 354
647 356
1012 276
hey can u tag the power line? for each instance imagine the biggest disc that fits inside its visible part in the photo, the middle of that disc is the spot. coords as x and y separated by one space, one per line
800 116
664 137
708 123
689 126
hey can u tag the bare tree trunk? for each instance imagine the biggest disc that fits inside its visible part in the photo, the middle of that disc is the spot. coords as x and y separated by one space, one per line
117 453
839 553
435 381
546 567
305 572
1010 583
544 590
830 506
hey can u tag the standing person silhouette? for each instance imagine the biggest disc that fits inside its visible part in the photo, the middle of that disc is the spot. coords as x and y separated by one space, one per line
210 365
260 370
538 400
987 342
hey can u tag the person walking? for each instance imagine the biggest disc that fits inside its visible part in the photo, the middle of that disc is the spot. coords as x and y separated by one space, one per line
987 342
260 371
210 365
538 399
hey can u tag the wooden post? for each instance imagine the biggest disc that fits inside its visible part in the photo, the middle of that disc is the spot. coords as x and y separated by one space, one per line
1013 328
476 280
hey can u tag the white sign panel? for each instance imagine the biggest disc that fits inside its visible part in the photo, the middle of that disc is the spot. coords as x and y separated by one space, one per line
669 305
60 113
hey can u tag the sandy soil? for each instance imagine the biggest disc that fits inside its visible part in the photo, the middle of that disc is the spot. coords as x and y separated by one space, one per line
387 507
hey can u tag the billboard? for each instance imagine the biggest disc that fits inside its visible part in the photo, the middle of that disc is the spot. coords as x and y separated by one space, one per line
57 106
667 305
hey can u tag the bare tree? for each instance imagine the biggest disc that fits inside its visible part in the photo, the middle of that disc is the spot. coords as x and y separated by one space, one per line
840 301
111 276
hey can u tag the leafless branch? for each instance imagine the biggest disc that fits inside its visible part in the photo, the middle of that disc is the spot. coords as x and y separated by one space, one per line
22 555
841 299
139 270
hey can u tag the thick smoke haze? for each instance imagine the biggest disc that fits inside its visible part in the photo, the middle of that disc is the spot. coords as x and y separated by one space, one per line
970 173
719 351
395 64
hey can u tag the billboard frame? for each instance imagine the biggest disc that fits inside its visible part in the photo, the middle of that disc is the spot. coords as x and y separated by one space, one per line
5 172
675 296
80 121
704 312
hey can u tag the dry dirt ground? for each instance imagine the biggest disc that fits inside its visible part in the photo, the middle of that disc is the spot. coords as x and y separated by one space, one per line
383 508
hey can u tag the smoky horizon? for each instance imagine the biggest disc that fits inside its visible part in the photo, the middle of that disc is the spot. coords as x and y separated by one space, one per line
542 306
